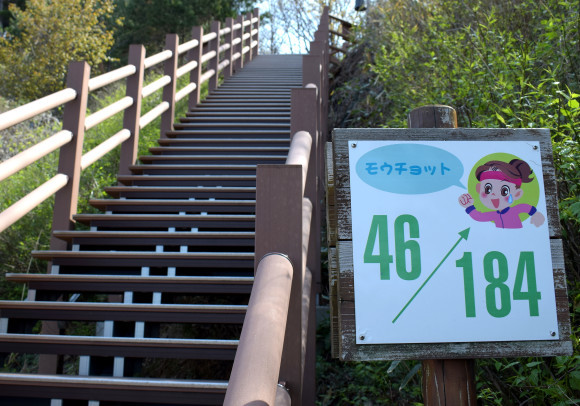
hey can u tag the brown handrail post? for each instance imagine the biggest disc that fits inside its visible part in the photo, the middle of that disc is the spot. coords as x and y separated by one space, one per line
170 69
304 118
248 30
279 229
256 14
214 45
320 48
66 200
445 382
195 54
240 45
132 114
228 70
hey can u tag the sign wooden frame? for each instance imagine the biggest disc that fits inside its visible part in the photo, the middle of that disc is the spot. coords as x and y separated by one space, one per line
343 295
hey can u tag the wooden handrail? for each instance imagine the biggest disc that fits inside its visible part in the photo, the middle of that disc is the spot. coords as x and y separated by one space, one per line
42 105
235 34
34 153
262 353
22 207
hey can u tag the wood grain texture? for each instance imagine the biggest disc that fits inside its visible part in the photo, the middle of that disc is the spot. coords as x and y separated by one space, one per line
350 351
331 228
333 298
341 137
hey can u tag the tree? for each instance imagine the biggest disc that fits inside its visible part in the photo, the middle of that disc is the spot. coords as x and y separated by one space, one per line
148 21
45 37
291 23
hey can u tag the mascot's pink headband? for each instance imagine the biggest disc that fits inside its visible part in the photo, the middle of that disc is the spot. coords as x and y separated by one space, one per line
499 176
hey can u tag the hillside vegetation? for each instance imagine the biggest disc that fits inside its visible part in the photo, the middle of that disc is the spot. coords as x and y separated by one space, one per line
499 63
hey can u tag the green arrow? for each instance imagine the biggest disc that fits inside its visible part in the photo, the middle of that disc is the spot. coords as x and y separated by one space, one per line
462 236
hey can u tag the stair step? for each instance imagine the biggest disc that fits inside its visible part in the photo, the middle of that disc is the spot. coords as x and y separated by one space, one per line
174 205
284 134
230 142
215 159
240 120
139 390
225 126
147 258
193 169
165 238
164 313
251 115
175 192
119 346
114 283
185 180
237 152
167 220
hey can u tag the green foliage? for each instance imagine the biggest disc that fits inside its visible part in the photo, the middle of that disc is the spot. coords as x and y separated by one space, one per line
511 63
147 22
45 37
363 383
32 232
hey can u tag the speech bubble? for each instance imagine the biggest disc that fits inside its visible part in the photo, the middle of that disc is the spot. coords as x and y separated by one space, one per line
410 169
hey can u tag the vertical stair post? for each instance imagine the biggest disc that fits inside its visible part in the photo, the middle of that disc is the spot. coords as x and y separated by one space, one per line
195 54
279 230
214 45
170 69
248 42
254 51
228 70
66 199
238 49
445 382
132 114
304 118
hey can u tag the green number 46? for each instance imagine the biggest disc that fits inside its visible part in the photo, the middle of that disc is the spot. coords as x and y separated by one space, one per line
379 231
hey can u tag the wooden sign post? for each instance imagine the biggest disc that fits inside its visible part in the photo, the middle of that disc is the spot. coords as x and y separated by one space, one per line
448 247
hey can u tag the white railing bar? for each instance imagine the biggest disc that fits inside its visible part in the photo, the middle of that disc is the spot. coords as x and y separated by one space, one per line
188 67
110 77
236 56
247 22
206 76
208 56
153 114
157 58
22 207
34 153
22 113
208 37
107 112
186 46
224 47
254 32
254 44
155 86
224 31
246 36
103 148
245 50
223 64
237 26
236 41
185 91
255 20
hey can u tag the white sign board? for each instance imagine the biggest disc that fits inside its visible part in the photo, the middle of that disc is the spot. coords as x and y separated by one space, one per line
450 242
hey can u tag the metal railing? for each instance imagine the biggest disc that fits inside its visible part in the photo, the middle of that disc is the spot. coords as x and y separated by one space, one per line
275 360
222 50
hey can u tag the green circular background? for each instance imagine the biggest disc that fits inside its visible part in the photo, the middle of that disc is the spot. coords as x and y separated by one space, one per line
531 190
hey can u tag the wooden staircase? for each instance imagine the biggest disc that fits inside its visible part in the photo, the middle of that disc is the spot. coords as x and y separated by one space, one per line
147 303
